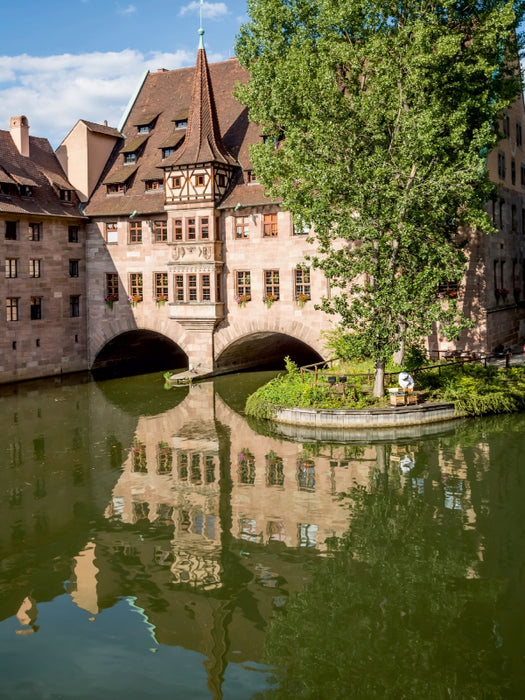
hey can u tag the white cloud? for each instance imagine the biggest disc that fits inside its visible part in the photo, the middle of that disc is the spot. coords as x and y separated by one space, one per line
129 10
56 91
210 10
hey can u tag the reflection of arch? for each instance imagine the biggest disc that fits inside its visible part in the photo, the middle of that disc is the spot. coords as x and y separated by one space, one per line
138 351
248 344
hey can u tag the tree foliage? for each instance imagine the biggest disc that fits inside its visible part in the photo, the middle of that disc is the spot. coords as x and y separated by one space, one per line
379 117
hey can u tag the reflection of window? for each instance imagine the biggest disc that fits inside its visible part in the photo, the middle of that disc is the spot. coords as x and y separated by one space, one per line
138 452
195 473
210 469
164 458
246 467
182 465
274 470
248 530
275 531
307 535
306 474
140 511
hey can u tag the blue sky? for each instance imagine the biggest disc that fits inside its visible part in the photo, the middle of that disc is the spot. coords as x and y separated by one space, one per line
82 59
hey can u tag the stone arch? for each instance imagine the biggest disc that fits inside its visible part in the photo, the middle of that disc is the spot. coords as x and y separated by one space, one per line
272 335
163 327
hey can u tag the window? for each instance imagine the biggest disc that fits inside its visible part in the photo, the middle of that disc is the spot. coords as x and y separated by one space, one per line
4 188
205 288
251 176
204 227
130 158
523 175
74 306
176 182
270 225
302 284
449 289
116 188
135 232
160 286
221 180
501 165
199 180
111 287
12 308
243 287
181 123
179 287
518 134
11 230
36 308
143 129
154 185
135 286
35 232
513 171
111 232
34 267
74 266
190 230
167 151
506 125
160 231
514 218
192 287
523 221
242 227
11 268
218 286
271 284
72 234
26 190
177 229
65 195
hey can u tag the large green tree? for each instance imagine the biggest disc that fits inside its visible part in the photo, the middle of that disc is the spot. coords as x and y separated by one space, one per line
379 117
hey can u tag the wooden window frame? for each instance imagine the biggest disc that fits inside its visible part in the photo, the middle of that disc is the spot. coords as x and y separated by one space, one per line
135 232
160 286
270 226
111 287
160 231
136 286
35 231
242 227
272 284
35 309
111 232
205 287
11 268
35 267
178 229
12 309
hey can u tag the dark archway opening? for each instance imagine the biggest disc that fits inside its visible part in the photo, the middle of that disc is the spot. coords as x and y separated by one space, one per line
138 352
265 350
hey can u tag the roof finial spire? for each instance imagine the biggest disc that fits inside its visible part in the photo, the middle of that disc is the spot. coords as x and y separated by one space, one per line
201 30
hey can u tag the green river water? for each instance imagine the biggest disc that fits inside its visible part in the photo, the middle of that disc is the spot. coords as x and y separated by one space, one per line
157 544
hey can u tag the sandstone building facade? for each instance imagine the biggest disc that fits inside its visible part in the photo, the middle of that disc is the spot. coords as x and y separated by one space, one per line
178 246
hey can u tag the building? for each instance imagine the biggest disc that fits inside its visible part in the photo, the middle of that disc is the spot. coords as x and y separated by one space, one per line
42 235
185 255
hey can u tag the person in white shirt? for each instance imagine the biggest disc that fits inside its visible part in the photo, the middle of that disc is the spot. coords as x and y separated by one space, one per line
406 382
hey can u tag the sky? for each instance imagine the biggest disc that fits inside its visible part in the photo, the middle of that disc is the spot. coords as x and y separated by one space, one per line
83 59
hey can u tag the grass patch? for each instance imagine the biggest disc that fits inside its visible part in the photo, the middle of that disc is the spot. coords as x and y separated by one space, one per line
475 390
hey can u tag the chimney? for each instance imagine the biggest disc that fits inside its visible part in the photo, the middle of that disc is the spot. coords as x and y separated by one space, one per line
19 129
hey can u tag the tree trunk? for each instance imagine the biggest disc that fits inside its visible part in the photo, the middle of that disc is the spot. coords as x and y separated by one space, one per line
379 378
399 355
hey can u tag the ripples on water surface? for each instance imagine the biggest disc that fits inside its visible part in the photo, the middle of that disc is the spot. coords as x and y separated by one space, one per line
156 544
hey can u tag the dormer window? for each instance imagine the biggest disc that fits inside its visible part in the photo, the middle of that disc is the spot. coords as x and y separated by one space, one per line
116 188
130 158
251 176
154 185
143 129
65 195
167 151
181 123
26 190
4 188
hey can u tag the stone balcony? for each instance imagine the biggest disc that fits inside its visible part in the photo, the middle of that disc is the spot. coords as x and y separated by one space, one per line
197 314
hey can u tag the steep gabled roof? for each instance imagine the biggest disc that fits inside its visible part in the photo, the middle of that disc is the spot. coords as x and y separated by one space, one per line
203 141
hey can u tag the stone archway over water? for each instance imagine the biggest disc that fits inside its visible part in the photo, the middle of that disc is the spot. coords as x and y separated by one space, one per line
138 352
265 349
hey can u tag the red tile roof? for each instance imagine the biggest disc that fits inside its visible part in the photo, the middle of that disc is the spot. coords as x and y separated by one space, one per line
42 171
169 93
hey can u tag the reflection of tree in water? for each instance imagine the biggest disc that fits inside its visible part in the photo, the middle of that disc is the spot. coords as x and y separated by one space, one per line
391 614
